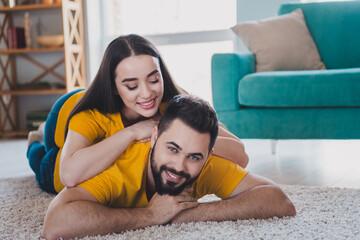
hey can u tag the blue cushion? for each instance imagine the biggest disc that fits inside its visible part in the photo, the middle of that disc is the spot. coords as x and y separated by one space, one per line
312 88
335 28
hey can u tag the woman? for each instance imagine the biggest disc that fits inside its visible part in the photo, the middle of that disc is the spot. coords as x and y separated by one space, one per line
122 105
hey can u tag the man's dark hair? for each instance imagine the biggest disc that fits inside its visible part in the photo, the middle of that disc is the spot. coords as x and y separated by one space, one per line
194 112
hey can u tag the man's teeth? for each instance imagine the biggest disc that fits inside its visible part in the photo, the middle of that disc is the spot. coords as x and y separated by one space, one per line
148 103
173 176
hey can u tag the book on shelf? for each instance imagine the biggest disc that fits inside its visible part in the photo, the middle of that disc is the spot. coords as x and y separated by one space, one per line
16 37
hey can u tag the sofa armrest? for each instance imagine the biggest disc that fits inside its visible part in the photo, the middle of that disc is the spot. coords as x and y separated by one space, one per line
226 71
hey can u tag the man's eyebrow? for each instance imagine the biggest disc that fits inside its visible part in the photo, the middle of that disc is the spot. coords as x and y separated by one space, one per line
134 79
175 145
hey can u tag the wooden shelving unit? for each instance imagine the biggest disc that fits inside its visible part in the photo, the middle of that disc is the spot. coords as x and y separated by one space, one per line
28 7
73 58
31 50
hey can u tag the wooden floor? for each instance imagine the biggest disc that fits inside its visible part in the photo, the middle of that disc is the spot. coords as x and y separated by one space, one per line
334 163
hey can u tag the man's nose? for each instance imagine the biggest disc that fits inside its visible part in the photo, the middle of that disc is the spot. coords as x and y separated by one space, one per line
179 163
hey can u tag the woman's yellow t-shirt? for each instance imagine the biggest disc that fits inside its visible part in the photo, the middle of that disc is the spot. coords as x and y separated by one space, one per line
92 124
60 134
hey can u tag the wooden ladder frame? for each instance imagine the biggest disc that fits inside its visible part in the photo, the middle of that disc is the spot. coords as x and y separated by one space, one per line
74 44
8 103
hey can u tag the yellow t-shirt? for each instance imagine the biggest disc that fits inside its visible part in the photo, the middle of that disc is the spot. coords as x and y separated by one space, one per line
60 134
123 184
92 124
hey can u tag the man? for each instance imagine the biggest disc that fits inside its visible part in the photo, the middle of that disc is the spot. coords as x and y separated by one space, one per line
160 182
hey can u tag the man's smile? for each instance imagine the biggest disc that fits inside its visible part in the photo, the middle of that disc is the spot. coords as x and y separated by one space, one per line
172 176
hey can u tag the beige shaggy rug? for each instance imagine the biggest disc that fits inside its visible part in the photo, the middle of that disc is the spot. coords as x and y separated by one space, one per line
322 213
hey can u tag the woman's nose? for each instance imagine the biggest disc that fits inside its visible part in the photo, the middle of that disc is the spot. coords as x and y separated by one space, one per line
145 91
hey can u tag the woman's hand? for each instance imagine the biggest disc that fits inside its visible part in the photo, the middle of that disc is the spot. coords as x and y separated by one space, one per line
144 129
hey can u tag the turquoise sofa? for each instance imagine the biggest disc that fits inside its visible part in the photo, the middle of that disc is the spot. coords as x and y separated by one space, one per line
306 104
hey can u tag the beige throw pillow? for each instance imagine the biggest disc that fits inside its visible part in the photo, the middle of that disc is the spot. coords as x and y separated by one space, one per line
280 43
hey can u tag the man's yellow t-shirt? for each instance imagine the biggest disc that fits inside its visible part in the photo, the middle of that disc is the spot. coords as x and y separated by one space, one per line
123 184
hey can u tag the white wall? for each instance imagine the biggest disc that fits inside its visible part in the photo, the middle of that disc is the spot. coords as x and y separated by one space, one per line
95 43
94 37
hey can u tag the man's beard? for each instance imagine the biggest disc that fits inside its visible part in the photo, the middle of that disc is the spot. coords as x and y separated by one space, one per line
168 187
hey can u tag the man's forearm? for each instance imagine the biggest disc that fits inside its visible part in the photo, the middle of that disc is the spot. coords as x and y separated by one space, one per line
82 218
74 212
264 201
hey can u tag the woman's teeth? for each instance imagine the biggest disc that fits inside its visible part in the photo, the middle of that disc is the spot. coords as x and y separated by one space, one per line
147 103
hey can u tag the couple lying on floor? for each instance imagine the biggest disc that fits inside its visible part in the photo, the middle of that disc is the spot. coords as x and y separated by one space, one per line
120 161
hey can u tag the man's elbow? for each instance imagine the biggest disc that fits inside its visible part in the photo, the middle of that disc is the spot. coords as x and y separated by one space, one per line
49 234
289 209
286 207
50 228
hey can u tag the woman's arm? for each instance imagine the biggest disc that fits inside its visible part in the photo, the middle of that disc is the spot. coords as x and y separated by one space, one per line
230 147
81 160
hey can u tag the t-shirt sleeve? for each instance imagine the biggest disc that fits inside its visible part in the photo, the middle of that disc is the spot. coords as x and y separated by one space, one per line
99 186
219 176
87 125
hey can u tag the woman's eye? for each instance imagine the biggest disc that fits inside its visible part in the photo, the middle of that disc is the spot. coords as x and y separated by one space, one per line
131 88
155 80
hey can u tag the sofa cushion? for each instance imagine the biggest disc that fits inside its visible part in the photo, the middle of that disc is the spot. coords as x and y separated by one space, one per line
280 43
316 88
335 28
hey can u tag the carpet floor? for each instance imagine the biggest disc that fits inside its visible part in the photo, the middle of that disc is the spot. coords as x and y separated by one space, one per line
322 213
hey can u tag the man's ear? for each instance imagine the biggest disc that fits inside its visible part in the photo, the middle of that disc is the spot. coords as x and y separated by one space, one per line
154 136
211 152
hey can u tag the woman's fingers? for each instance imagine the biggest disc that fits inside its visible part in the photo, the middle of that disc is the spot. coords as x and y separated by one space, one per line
185 197
145 140
182 198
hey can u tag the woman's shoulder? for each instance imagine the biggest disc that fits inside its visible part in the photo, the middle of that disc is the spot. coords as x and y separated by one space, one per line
99 116
70 102
93 121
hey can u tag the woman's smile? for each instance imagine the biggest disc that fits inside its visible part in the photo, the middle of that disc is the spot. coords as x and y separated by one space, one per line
148 104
